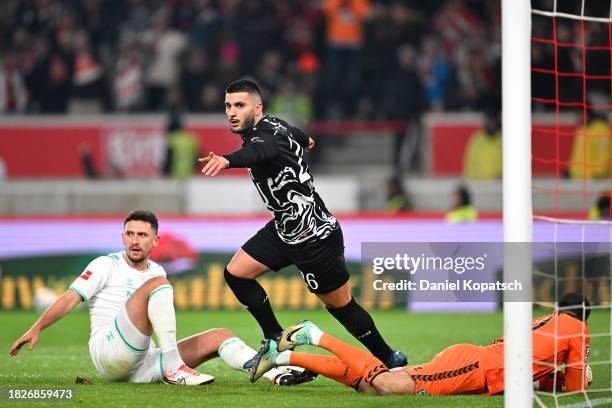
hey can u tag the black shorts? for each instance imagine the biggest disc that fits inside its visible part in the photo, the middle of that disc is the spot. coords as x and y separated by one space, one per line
321 262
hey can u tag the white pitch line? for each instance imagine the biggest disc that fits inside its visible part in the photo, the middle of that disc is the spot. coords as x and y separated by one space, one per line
591 403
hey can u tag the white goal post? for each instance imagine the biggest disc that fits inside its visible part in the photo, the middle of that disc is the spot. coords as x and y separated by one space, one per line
517 208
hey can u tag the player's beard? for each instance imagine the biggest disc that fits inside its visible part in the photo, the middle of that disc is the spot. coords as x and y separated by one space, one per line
136 261
249 122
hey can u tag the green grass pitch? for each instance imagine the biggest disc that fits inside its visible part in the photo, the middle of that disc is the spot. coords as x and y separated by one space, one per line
62 354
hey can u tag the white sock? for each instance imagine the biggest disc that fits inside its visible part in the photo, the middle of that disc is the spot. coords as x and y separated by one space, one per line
163 320
236 352
282 359
315 335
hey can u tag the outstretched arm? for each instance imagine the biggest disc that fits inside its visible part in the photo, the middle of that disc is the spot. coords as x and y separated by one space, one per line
56 311
213 164
257 148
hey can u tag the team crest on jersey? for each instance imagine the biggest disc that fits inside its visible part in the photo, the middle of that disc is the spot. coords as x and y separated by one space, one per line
86 275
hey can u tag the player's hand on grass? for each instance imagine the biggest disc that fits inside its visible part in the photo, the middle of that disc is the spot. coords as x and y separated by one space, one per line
31 336
213 164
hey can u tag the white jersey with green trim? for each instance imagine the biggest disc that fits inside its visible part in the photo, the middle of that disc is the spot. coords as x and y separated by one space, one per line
107 283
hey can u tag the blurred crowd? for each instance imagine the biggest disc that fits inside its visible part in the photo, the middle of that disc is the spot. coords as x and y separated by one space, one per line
581 58
329 59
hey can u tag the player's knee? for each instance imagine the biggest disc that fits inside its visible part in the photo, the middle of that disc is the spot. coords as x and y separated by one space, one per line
223 334
157 282
214 337
234 266
243 266
337 298
336 302
385 389
232 277
393 383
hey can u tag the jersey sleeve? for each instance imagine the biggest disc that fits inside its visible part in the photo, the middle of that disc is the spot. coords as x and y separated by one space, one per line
257 147
93 278
299 136
159 271
576 361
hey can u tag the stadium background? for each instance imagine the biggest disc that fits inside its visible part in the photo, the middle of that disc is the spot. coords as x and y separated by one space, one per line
90 87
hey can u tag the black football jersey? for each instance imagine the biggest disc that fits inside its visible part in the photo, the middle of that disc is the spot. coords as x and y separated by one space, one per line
273 153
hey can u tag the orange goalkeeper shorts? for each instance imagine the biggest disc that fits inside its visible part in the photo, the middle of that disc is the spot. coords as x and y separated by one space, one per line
457 369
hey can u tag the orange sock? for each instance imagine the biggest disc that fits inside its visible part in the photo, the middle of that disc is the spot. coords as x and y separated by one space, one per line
329 366
358 360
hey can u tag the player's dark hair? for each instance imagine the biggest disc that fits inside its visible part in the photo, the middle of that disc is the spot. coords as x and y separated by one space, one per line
243 85
572 303
143 215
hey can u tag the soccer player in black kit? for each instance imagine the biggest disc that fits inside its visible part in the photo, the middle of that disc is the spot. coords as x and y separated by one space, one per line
303 232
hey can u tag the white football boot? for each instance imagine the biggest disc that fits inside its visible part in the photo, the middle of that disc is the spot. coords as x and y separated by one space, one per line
187 376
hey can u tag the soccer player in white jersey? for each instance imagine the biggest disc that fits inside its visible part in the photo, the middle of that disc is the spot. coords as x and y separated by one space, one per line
129 300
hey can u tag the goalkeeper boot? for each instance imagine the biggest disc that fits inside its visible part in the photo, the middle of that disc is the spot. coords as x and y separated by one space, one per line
294 376
263 360
397 359
187 376
298 335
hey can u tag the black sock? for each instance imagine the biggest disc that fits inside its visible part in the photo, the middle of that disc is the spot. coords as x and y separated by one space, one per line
250 293
359 323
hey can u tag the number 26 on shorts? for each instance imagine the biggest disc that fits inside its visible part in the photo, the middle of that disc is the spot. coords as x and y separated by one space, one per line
309 278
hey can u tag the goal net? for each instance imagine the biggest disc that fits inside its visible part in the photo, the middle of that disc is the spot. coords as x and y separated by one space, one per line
569 52
575 256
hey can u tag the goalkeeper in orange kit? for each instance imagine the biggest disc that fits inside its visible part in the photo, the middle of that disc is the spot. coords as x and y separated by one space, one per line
561 338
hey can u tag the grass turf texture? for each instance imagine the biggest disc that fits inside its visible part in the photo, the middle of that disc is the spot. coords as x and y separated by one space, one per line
62 354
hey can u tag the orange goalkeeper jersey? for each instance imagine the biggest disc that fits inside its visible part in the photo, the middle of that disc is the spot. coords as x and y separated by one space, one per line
557 340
